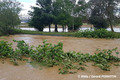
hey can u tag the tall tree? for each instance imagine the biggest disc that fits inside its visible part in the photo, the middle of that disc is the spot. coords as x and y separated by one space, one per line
67 11
9 18
79 13
42 14
9 11
106 11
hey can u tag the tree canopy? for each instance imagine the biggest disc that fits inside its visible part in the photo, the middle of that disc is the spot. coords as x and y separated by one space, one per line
104 13
72 13
58 12
9 11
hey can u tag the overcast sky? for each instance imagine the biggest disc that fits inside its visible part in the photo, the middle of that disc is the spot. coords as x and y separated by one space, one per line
26 6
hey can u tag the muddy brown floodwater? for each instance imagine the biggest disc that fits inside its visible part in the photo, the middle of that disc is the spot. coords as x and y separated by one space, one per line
26 71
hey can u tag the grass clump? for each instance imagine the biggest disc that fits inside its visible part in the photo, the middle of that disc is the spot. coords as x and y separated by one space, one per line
99 33
53 55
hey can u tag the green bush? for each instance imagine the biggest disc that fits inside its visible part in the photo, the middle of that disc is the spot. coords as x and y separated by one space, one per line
6 49
99 33
6 30
16 31
23 48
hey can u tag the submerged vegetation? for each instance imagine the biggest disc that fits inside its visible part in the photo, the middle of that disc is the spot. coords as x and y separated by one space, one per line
53 55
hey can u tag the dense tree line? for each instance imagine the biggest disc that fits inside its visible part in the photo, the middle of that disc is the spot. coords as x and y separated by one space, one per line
66 13
72 13
58 12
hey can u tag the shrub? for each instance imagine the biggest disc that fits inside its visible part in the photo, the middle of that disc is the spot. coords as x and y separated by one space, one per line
23 48
6 49
6 30
99 33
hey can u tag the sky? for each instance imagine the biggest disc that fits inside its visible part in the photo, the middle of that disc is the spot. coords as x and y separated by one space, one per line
26 6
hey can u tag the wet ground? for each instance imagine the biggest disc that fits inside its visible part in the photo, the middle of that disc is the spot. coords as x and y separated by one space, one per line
26 71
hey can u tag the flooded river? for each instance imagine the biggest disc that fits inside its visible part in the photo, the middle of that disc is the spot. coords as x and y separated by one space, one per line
116 29
26 71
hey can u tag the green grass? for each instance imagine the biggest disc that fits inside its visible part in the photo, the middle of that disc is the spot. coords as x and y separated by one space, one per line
87 33
45 33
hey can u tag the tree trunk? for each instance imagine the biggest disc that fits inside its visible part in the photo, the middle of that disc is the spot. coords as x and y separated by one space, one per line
56 28
73 28
111 27
49 28
63 28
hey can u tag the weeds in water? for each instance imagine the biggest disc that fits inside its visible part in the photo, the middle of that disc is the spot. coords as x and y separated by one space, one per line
5 49
52 55
22 48
117 64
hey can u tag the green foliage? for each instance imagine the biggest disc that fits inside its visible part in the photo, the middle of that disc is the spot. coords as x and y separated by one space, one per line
99 33
77 23
9 18
23 48
103 58
52 55
103 13
9 11
6 49
42 16
5 30
55 12
116 64
98 22
47 52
